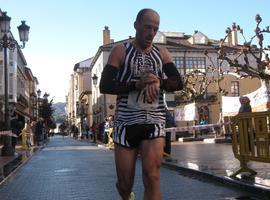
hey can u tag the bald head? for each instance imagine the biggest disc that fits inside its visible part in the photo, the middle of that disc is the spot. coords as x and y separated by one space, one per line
142 12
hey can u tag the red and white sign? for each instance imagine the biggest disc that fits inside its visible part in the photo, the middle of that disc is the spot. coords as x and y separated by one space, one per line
186 113
193 128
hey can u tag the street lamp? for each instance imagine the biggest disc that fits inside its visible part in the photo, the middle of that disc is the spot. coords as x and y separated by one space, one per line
8 42
95 79
39 93
23 32
38 104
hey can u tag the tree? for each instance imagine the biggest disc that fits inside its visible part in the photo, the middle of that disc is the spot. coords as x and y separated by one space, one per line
46 112
63 127
195 86
248 51
244 60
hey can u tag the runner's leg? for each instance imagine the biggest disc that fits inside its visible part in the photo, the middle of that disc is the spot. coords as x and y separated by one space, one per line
125 160
152 152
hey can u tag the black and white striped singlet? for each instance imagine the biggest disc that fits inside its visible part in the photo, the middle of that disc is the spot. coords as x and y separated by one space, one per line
133 108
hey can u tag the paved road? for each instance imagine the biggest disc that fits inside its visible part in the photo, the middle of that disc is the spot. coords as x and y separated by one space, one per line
216 159
68 169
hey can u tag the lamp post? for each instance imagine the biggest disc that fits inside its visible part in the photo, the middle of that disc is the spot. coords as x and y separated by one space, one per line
8 42
45 114
95 79
38 104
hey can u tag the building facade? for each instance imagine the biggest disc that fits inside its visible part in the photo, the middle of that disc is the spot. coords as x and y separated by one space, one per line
79 107
22 84
188 54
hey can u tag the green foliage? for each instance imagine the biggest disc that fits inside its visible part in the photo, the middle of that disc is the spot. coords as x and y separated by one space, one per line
63 127
46 112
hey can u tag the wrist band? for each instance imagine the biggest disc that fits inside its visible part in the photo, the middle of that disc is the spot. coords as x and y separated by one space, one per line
132 86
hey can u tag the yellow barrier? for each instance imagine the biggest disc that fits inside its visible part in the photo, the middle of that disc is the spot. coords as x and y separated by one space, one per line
250 139
24 139
110 140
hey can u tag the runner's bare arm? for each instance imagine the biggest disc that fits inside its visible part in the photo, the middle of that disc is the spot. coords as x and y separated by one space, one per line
174 81
108 83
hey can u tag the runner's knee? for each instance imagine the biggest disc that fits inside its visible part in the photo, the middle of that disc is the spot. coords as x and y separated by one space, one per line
151 174
151 177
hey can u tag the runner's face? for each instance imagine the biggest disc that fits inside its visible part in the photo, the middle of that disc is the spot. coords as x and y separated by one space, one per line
147 29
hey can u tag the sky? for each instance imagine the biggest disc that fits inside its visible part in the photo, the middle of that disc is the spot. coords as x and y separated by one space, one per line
65 32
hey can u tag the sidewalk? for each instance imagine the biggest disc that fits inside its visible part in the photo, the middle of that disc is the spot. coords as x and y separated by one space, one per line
9 164
216 161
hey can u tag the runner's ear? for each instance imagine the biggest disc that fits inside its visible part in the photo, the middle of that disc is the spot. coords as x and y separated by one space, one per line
136 25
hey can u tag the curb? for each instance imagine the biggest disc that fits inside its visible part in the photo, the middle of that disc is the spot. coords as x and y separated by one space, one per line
225 180
8 170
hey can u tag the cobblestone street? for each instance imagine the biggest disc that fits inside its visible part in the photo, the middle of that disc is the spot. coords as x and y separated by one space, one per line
68 169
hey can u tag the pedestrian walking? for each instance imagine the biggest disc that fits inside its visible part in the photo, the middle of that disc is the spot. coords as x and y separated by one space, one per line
134 73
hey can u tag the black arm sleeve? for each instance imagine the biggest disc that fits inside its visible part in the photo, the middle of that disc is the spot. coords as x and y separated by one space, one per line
109 84
174 81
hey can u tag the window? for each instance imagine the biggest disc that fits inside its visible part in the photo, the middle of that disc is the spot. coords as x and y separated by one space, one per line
189 64
179 62
235 88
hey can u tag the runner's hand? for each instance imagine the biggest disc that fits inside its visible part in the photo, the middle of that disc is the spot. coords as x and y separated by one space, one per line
152 91
146 79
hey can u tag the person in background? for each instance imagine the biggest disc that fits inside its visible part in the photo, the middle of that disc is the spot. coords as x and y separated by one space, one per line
87 130
39 132
110 139
170 122
106 131
135 73
32 134
16 127
28 133
245 104
245 108
101 130
94 131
